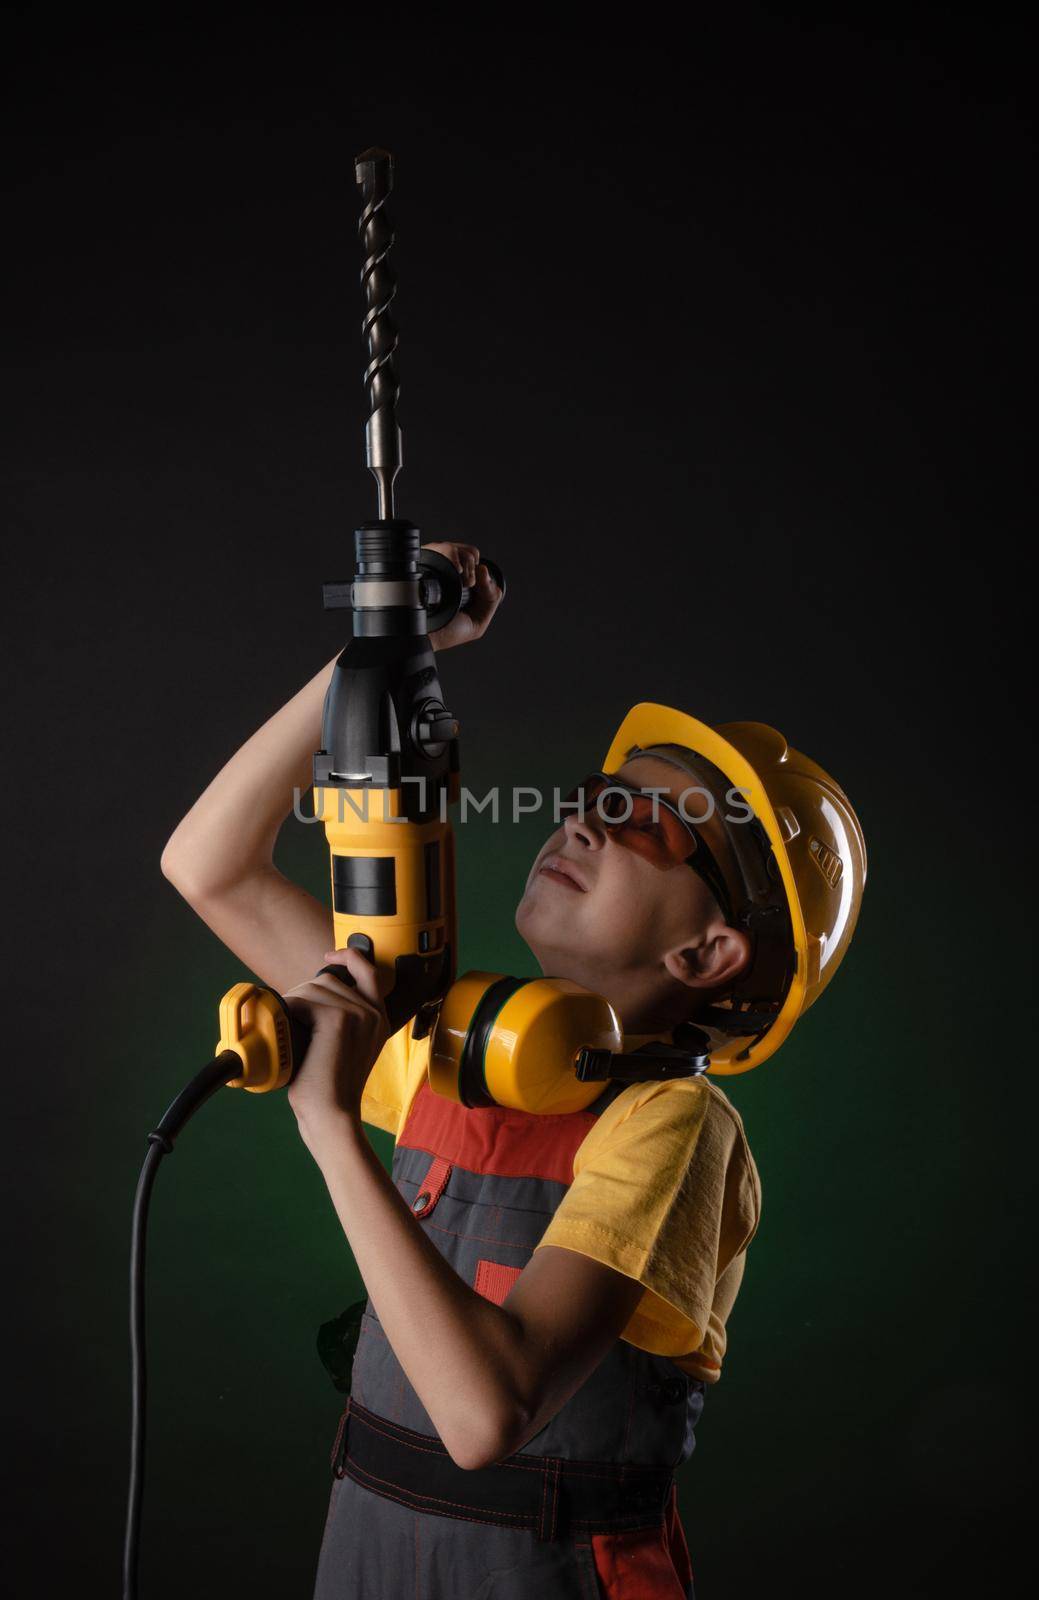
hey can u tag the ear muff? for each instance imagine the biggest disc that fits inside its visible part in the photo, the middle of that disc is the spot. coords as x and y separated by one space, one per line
514 1042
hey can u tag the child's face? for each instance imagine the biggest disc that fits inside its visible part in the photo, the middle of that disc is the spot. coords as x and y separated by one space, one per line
641 935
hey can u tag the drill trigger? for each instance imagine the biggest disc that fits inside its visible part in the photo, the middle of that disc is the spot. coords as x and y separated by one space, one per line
337 970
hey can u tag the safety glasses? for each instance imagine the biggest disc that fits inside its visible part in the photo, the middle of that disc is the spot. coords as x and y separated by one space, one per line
652 827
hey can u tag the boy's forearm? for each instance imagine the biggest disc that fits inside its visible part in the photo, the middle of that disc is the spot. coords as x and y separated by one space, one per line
231 829
456 1347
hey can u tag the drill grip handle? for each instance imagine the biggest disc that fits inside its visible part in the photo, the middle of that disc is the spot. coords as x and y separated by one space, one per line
299 1032
257 1026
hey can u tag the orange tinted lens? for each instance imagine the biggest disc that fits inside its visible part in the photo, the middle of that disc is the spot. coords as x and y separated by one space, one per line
591 787
662 839
613 805
680 840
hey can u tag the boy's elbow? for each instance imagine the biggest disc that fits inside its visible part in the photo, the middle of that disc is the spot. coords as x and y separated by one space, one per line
170 862
179 866
482 1442
173 865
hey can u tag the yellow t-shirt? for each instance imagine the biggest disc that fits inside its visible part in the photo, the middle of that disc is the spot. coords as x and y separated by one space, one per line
394 1081
665 1190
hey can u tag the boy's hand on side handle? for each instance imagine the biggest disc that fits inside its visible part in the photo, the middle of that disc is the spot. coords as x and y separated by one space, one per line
348 1028
474 621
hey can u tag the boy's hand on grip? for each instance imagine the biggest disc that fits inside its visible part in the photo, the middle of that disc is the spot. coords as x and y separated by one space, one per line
348 1028
484 600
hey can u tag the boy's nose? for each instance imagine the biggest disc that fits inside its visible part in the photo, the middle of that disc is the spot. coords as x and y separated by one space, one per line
588 830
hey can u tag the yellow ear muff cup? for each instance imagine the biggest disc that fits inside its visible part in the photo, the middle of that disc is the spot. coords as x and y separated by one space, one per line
451 1029
513 1042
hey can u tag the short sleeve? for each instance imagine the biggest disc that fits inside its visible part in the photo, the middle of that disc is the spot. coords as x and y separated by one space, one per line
665 1190
392 1082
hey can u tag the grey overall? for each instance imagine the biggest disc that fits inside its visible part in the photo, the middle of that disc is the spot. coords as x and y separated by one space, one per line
485 1183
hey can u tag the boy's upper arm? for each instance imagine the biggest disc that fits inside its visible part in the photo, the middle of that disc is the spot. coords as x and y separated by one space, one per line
280 931
570 1310
663 1192
660 1204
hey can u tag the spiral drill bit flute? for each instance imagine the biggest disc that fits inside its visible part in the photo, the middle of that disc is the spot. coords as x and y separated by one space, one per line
374 170
388 765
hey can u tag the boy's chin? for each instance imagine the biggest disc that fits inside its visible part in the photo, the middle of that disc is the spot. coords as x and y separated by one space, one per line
535 922
524 915
550 938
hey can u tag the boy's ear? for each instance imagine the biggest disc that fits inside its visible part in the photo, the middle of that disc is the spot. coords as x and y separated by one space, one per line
718 960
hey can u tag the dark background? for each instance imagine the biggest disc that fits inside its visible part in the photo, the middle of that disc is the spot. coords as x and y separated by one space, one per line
714 344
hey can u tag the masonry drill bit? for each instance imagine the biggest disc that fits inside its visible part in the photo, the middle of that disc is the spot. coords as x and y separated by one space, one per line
374 172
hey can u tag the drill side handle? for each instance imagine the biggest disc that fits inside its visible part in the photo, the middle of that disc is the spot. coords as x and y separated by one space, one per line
445 593
263 1047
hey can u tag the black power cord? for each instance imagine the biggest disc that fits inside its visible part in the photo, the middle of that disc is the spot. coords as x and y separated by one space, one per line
214 1075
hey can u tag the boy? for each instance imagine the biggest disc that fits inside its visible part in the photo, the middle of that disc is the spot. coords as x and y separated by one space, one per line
547 1295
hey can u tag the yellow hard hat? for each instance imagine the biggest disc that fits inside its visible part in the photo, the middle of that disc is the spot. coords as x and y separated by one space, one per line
802 857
